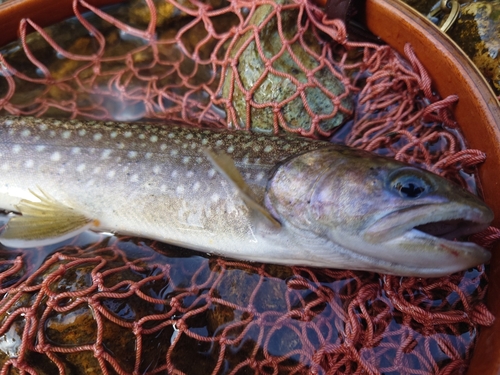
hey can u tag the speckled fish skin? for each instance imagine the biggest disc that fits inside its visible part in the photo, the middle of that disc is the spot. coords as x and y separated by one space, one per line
154 181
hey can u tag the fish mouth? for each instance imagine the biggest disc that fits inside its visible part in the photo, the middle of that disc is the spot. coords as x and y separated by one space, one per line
422 240
451 229
447 221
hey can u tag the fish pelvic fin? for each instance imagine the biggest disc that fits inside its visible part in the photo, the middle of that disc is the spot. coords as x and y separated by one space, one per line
43 223
224 164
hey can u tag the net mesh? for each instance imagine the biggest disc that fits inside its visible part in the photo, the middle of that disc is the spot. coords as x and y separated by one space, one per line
125 306
108 305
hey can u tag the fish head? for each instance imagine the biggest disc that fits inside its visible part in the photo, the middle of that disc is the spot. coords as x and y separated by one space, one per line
393 217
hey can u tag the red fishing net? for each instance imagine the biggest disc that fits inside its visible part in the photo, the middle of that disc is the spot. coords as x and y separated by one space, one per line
129 307
107 305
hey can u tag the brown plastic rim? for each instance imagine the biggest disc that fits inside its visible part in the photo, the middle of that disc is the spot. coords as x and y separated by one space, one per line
42 12
477 111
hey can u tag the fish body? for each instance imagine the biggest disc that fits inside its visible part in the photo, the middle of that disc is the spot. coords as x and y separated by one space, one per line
295 201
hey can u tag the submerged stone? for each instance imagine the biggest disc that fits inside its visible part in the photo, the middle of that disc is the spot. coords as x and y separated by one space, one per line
291 79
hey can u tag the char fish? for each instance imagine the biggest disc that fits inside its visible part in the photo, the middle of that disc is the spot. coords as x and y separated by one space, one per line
285 200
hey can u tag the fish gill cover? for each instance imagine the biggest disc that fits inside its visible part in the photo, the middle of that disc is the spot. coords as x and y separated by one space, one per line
108 305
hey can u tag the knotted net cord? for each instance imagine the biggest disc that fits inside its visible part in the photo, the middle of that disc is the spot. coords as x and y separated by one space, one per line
185 315
316 321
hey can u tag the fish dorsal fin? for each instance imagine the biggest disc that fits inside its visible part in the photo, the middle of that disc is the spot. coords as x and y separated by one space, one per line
43 223
224 164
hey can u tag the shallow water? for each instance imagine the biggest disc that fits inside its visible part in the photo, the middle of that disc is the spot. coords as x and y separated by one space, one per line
85 305
181 310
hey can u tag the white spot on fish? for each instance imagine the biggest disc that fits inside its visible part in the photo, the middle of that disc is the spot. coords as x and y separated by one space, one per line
106 153
186 160
171 135
82 132
120 145
76 150
286 147
80 168
268 148
132 154
211 172
111 174
219 143
163 188
25 133
52 133
127 134
179 189
230 149
153 138
259 176
156 169
148 155
196 186
5 167
8 122
174 174
174 152
66 134
134 177
189 136
16 149
204 141
199 160
29 163
40 148
215 197
113 134
189 174
97 136
43 127
56 156
142 136
163 147
96 170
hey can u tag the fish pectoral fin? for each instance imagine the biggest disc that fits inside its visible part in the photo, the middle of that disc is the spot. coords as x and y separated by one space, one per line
224 164
43 223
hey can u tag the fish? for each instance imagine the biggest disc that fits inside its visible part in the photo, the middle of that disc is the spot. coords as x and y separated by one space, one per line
254 197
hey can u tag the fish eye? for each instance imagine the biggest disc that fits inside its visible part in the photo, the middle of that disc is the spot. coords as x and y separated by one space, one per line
410 184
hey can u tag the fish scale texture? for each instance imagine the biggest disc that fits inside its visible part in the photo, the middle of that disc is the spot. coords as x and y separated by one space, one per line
86 308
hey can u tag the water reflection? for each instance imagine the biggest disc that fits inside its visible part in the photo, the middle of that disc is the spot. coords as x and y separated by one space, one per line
98 298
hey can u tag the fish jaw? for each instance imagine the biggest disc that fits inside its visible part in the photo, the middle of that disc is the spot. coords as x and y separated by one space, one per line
462 220
353 198
419 254
413 254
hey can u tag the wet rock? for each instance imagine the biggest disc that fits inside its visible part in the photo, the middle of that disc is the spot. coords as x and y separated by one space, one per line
477 32
276 90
